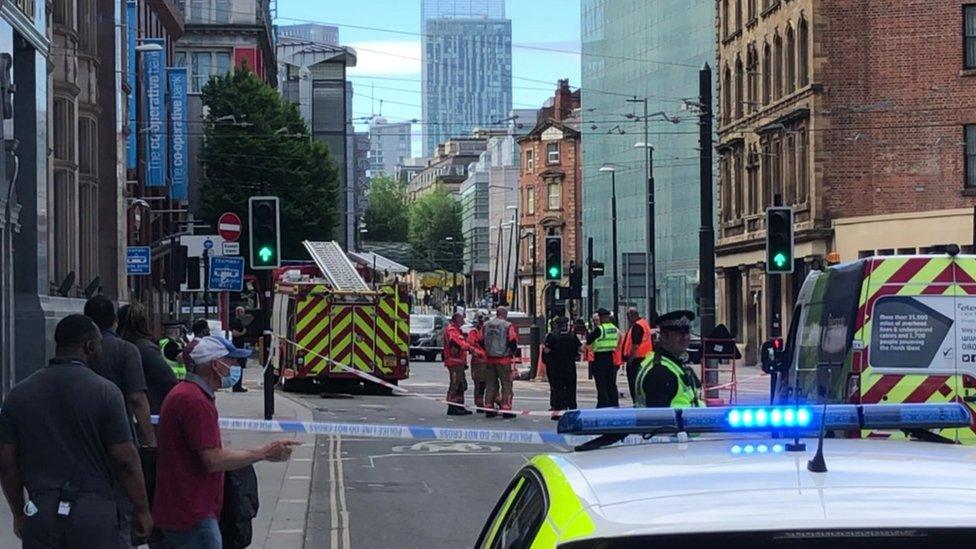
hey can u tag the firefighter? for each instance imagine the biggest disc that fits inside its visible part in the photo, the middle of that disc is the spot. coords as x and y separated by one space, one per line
478 374
603 341
664 381
500 344
456 350
636 346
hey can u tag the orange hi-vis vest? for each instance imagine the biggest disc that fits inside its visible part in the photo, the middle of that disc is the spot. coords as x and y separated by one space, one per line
645 347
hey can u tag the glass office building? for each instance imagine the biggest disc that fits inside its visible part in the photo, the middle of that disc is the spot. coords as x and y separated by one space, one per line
652 49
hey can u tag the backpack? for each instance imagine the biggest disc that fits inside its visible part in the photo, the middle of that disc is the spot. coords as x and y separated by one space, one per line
496 338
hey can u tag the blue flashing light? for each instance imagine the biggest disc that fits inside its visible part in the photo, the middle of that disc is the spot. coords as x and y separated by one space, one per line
776 417
749 449
778 448
789 417
762 417
762 448
803 417
736 449
747 418
735 418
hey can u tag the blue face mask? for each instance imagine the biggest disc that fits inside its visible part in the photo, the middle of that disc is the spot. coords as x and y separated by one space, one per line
231 379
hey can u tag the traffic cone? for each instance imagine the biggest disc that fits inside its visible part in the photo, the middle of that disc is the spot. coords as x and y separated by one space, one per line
540 372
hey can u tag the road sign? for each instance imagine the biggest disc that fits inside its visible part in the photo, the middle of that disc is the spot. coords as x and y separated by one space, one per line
138 260
195 243
229 226
208 244
232 248
226 273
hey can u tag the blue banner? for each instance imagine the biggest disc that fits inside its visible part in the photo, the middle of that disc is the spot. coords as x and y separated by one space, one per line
176 77
131 142
155 96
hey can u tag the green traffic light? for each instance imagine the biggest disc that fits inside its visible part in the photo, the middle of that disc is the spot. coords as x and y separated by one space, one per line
780 260
265 254
553 272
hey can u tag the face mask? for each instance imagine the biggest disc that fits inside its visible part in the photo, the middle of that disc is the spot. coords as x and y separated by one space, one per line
231 379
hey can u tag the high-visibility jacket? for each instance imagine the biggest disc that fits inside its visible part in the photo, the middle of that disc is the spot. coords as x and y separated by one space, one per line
179 369
645 347
687 394
607 342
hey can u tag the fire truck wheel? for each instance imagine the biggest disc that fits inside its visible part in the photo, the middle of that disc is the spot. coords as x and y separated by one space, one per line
303 385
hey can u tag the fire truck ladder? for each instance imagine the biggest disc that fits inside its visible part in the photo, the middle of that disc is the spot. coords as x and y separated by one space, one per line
336 267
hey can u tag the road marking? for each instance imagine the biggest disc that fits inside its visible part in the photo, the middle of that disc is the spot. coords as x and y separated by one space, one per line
344 511
446 447
333 500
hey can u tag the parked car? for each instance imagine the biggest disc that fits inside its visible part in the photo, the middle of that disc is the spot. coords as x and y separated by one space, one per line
427 336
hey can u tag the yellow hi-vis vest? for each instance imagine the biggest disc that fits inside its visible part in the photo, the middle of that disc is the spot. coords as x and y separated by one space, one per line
607 341
179 369
687 394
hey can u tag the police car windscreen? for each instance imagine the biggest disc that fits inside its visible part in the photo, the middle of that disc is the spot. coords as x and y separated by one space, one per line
894 538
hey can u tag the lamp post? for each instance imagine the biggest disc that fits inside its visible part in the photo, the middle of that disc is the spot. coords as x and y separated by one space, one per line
609 168
650 258
508 257
533 312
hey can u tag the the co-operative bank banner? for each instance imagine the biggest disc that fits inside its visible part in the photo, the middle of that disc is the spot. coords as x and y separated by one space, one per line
154 78
176 77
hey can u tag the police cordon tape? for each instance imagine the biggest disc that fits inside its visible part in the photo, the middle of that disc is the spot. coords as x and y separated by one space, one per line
415 432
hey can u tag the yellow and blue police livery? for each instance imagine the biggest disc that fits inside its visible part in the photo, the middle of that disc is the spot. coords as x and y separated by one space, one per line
736 485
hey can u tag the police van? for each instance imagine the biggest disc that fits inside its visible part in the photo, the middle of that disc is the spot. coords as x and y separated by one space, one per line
893 329
732 484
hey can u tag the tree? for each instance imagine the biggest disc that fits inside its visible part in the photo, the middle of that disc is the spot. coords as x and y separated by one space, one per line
435 230
252 136
387 217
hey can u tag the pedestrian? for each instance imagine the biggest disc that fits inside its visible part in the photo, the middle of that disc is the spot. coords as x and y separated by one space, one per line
562 349
121 364
603 340
636 346
200 329
238 332
66 438
192 459
455 353
664 380
478 373
171 347
134 328
501 344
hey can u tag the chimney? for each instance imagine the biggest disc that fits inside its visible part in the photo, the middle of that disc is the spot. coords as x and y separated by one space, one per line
563 100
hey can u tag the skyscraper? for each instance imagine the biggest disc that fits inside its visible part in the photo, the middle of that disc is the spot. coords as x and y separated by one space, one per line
467 67
388 147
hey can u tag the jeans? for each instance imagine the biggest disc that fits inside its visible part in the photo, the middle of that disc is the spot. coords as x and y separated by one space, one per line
204 535
605 376
562 386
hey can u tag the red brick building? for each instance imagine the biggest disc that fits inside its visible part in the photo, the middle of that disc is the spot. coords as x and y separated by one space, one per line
861 114
550 194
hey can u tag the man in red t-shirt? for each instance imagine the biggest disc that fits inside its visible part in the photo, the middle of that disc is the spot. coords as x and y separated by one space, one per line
191 460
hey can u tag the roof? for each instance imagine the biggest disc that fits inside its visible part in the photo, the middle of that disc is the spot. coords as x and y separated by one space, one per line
370 259
703 486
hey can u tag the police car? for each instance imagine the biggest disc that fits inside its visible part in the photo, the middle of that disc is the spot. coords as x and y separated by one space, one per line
730 484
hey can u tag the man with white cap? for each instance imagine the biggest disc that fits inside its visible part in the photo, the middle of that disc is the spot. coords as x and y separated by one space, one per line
191 461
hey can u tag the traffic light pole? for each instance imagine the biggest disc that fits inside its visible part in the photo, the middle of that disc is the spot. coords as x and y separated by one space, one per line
706 235
589 278
206 283
535 339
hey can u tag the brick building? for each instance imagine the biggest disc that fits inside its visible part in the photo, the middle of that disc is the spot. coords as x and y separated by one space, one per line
550 189
861 114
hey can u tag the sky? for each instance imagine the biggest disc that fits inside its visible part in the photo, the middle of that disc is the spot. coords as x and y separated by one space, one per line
388 66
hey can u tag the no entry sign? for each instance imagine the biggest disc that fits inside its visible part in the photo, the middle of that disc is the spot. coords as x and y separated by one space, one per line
229 226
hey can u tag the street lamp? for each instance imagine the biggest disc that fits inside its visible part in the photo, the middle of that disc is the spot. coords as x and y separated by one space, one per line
650 234
612 170
512 242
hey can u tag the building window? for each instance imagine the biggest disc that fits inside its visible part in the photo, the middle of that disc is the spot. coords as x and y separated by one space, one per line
738 15
529 161
803 50
64 129
777 67
790 61
969 15
725 174
87 27
752 78
555 195
739 99
88 145
727 96
777 169
740 183
789 169
207 11
767 176
752 179
530 200
802 172
552 153
752 10
725 19
203 66
767 74
971 156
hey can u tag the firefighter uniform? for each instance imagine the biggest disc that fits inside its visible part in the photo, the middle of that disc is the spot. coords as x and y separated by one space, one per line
603 340
479 374
456 360
500 370
664 381
636 342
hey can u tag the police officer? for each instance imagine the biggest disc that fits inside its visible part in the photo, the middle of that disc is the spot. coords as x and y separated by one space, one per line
664 381
603 341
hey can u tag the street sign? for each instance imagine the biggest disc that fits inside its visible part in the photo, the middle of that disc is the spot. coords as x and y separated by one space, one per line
138 260
195 243
208 244
226 273
232 248
229 226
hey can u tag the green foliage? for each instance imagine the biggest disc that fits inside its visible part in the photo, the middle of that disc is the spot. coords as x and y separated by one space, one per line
434 218
387 218
267 141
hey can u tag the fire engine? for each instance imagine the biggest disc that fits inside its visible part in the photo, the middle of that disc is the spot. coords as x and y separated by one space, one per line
326 318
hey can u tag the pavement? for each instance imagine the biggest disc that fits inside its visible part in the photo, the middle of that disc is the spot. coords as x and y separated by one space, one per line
283 488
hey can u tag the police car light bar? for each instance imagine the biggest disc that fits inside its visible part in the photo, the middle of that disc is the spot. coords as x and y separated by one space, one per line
802 418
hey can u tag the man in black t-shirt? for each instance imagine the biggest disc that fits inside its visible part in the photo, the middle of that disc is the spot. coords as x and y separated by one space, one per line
561 352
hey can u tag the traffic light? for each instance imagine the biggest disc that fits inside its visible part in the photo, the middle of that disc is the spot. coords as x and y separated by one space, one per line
265 232
575 281
554 258
779 240
596 269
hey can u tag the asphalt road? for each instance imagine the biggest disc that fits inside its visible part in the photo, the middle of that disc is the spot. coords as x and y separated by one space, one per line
388 493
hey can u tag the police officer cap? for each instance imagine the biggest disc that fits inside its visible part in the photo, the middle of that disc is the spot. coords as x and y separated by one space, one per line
676 320
603 312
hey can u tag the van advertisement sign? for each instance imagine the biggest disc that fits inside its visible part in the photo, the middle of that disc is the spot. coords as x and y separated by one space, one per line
917 332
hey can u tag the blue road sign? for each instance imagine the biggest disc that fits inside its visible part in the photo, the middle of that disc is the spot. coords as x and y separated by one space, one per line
207 244
226 273
138 260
